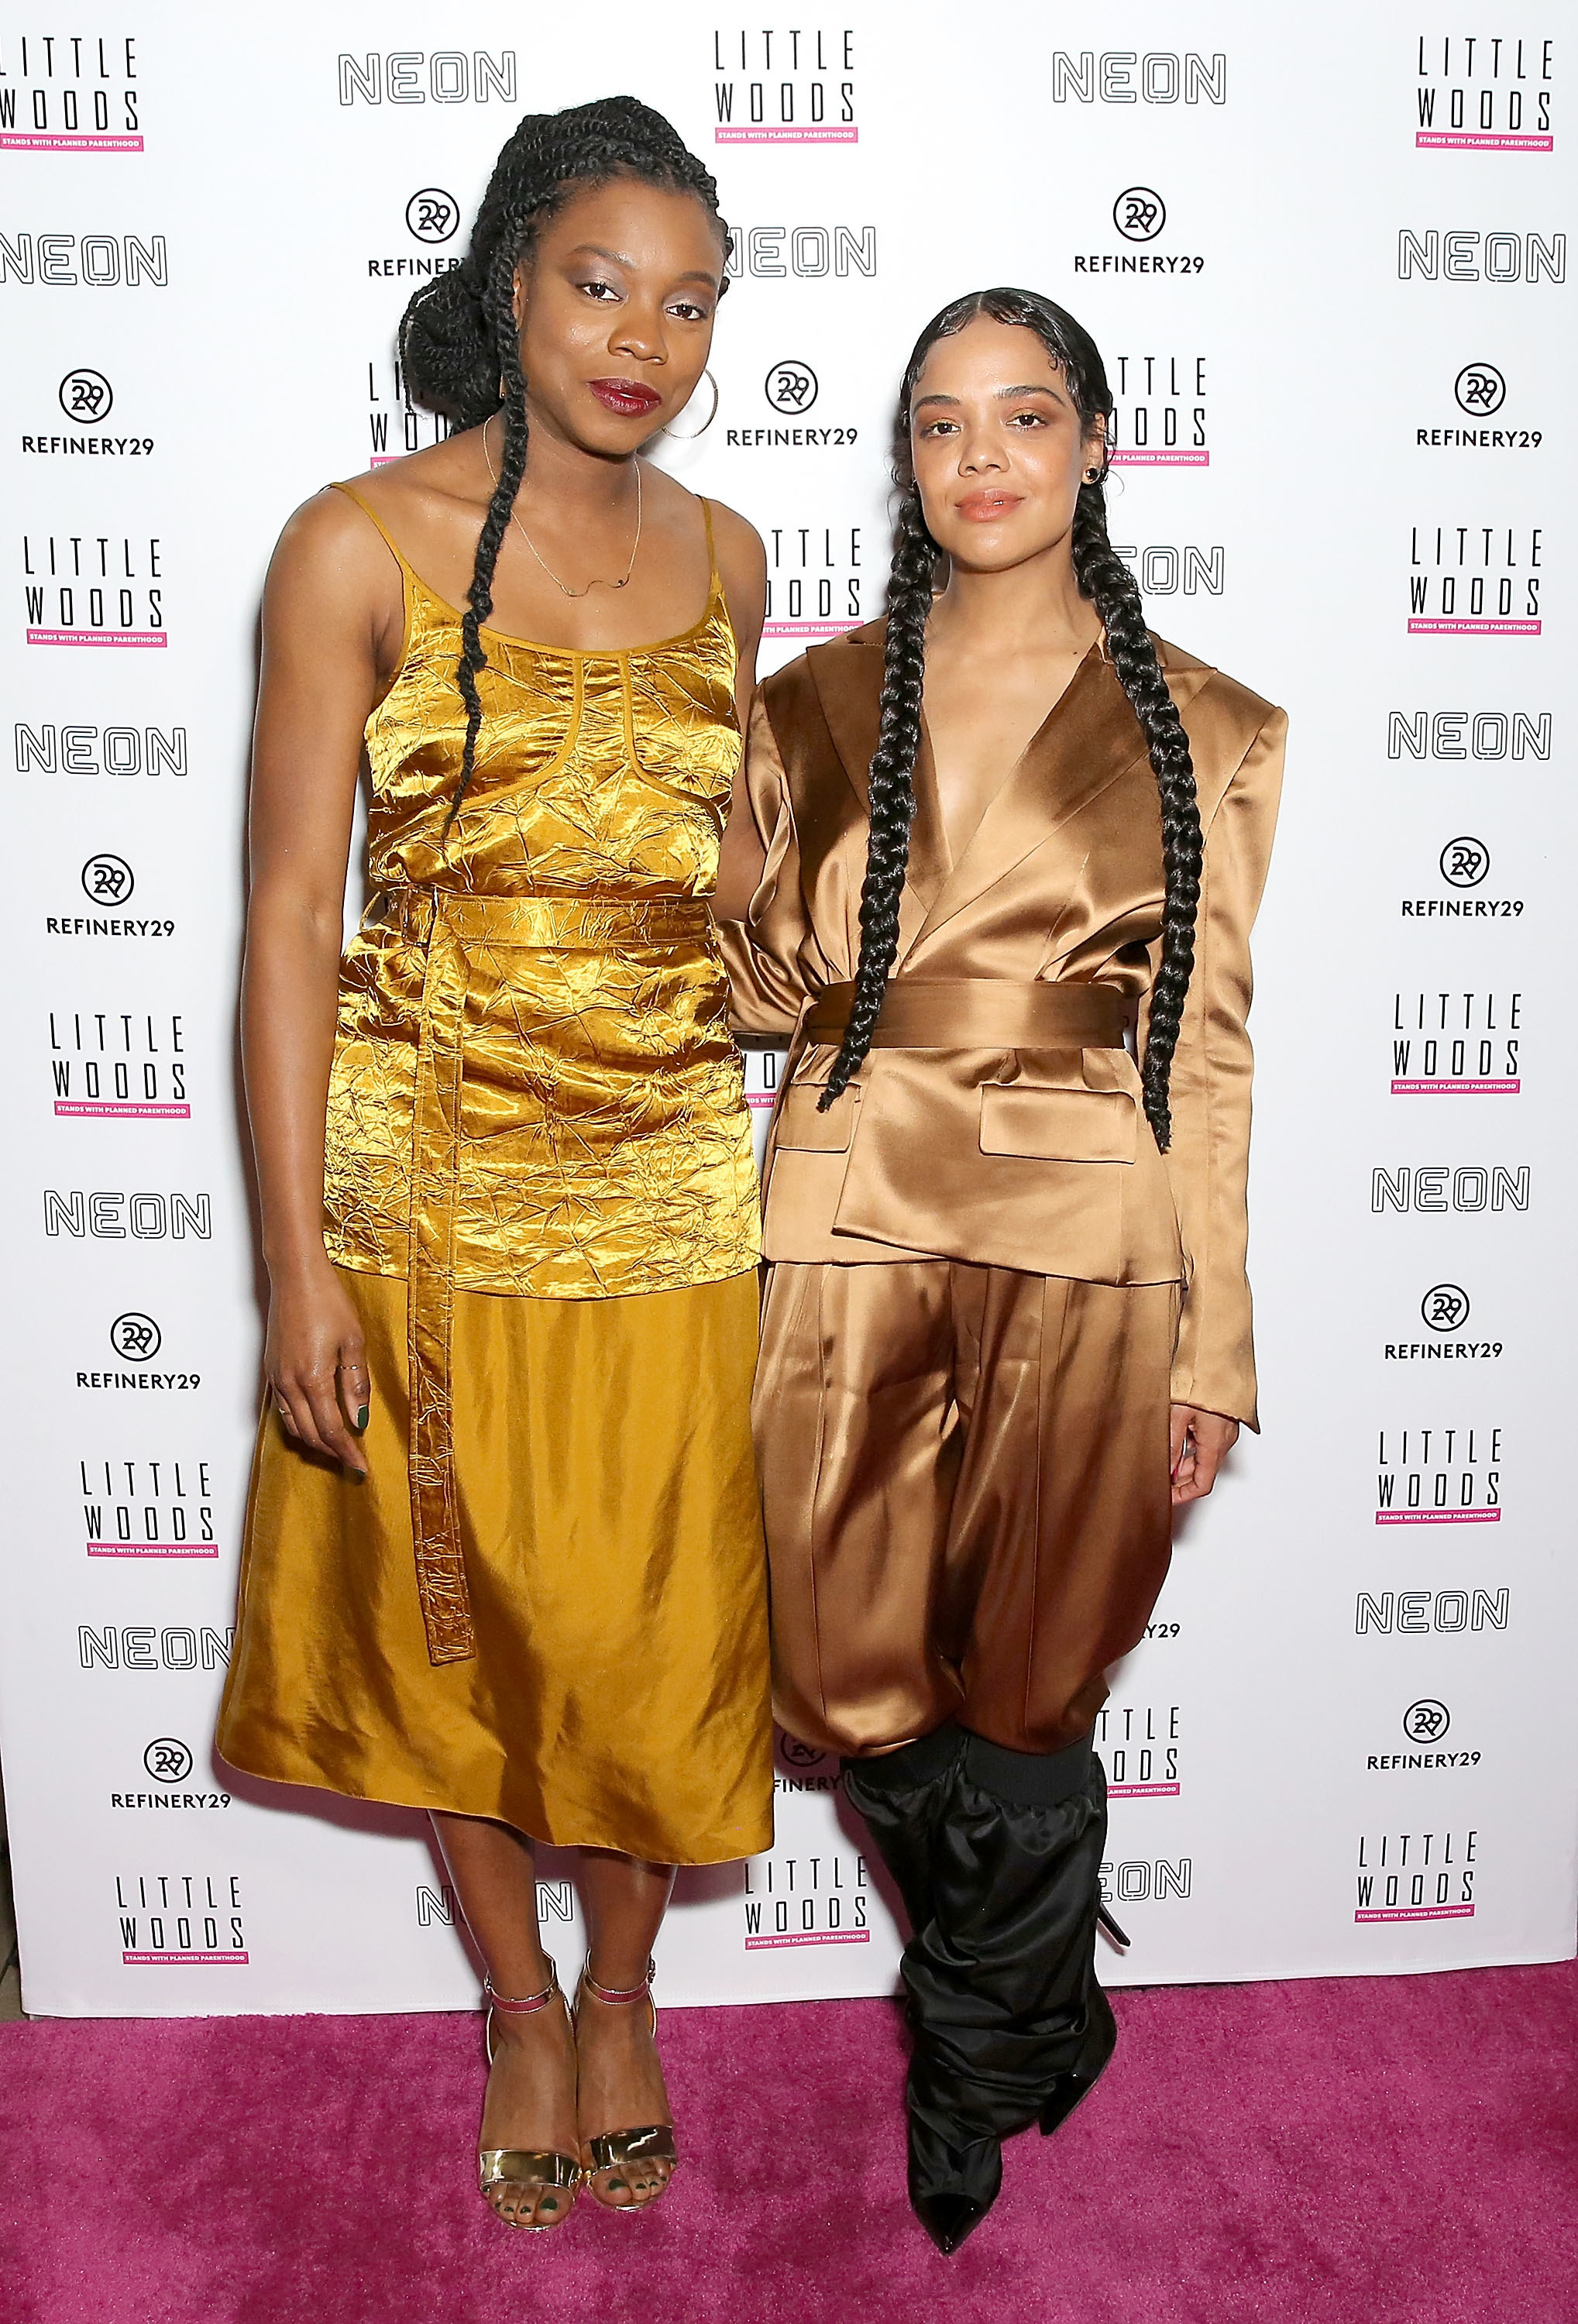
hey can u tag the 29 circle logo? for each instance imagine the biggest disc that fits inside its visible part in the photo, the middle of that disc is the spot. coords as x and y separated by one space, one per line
1444 1308
108 879
432 214
1480 389
1425 1721
1464 862
797 1754
792 386
85 396
135 1337
167 1760
1138 214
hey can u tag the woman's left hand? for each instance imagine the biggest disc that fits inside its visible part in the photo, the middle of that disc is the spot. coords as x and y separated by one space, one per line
1201 1441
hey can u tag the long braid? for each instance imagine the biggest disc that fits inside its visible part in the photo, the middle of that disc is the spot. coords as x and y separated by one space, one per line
460 351
1104 579
890 789
495 524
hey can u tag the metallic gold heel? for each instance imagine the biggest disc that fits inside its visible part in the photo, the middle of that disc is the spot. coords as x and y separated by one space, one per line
620 2149
499 2166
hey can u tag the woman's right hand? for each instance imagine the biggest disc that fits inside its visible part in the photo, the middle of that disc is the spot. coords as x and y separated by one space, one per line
315 1362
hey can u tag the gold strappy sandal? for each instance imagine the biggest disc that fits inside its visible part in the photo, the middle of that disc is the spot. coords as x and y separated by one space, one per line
520 2166
624 2150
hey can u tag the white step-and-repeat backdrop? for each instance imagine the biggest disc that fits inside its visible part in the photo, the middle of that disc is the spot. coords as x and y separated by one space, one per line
1326 255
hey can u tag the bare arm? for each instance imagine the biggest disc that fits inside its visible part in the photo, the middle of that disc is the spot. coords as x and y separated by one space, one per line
326 622
743 567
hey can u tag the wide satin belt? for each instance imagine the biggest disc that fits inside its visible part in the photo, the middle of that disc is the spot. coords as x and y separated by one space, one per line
978 1013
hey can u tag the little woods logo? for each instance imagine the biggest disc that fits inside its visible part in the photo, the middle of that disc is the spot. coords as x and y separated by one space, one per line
93 589
1417 1875
119 1064
1456 1044
63 94
1489 736
1158 416
1440 1476
1489 92
1474 580
784 87
190 1919
814 578
1139 1745
148 1509
395 425
806 1900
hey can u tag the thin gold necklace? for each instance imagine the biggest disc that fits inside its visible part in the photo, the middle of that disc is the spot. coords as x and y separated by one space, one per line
536 552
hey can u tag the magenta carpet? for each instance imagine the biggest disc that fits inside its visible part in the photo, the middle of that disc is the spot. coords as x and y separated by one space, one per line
1401 2151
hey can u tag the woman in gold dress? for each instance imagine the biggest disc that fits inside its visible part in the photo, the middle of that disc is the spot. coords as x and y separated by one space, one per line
503 1557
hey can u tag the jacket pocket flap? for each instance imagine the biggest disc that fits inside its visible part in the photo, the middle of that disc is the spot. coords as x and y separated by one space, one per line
1057 1125
801 1129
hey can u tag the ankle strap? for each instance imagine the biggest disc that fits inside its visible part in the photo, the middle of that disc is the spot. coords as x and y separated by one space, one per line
524 2005
612 1995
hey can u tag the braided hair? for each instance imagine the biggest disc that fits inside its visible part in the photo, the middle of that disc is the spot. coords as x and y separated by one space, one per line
460 348
1106 581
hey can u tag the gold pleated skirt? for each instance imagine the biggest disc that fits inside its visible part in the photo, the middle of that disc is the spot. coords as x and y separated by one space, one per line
612 1533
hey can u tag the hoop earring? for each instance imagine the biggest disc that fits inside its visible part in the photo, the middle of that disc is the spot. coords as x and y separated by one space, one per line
691 434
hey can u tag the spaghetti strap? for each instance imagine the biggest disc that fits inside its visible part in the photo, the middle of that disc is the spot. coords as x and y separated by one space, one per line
374 518
714 578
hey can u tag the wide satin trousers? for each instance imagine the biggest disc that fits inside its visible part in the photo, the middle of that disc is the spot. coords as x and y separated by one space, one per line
968 1503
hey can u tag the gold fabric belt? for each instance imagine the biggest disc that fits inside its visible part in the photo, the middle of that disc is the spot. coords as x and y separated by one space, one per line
979 1013
582 923
444 925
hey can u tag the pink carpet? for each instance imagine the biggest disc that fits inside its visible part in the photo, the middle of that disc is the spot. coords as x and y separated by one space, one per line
1365 2152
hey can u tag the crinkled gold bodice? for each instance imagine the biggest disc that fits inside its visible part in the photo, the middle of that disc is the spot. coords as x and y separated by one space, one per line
556 962
534 1089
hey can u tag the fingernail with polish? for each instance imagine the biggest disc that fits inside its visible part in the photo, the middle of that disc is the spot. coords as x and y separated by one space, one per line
361 1419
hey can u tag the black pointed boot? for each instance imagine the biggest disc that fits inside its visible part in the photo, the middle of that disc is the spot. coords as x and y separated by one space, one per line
1010 2026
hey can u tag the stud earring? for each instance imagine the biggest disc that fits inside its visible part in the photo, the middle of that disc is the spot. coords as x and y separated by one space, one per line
1093 475
691 434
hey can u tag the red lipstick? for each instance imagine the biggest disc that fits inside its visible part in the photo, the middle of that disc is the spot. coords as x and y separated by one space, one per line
629 397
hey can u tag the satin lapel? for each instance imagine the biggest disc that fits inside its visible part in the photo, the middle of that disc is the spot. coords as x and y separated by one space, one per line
848 679
1090 738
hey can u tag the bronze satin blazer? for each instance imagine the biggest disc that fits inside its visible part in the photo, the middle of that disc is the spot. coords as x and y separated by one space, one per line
1038 1159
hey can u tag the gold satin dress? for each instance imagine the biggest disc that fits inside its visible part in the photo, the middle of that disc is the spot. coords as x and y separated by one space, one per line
547 1602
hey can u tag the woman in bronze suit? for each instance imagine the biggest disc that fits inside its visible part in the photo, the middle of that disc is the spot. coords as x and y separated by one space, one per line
997 839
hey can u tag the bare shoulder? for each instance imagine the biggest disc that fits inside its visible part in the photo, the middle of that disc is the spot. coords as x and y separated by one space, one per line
738 540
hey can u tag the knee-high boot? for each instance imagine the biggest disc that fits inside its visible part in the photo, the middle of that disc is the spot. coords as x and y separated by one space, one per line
1011 2026
901 1796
